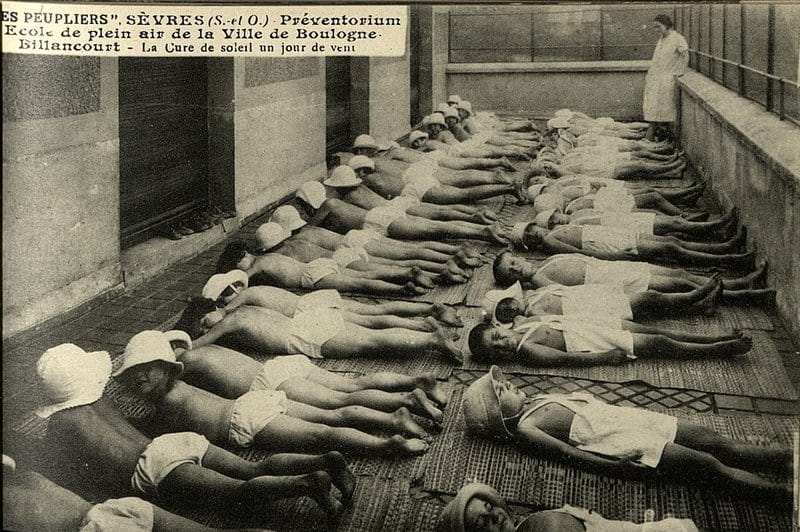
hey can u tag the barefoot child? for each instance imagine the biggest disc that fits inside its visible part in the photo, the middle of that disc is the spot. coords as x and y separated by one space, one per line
606 439
265 418
175 468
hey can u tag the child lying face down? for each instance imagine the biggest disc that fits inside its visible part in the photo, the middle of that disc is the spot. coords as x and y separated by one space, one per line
176 468
315 334
479 508
620 441
33 502
587 340
260 417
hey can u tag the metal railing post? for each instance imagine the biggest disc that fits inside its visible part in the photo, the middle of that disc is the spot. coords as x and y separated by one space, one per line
770 53
741 51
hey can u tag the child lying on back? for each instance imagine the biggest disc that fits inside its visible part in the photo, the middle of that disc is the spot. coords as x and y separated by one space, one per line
579 429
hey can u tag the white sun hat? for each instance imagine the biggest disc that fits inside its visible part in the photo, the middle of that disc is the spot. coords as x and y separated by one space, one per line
269 235
558 122
70 377
365 141
386 145
441 109
343 176
217 283
451 112
361 161
493 297
149 346
454 98
543 218
416 135
288 218
312 192
437 118
465 105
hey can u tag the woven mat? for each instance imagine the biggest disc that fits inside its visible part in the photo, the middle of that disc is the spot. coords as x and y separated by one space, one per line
482 281
456 458
726 317
759 374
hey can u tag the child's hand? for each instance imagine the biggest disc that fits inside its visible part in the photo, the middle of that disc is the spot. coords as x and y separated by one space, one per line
616 357
632 455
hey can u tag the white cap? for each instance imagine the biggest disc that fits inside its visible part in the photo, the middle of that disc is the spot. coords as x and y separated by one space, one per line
269 235
71 377
558 122
217 283
288 217
343 176
535 190
361 161
416 135
465 105
453 98
365 141
312 192
149 346
543 218
387 145
437 118
564 113
451 112
441 109
493 297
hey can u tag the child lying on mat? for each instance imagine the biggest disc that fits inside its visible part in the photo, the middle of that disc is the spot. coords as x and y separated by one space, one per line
589 340
590 434
261 417
32 502
575 269
608 300
230 290
613 243
231 374
315 334
480 508
175 468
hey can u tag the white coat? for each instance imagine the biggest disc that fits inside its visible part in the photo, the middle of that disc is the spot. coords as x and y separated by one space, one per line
669 61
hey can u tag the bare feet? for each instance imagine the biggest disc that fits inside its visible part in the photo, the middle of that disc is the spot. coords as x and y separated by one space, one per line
447 277
430 324
447 315
758 279
447 346
463 259
413 290
340 474
505 163
710 293
737 347
454 268
406 425
319 483
421 278
433 388
398 444
497 235
501 178
418 403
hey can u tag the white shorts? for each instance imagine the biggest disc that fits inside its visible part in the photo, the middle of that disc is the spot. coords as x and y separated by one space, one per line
419 180
316 270
640 222
252 412
344 256
128 514
358 238
634 277
308 331
608 301
163 455
609 243
614 199
318 299
278 370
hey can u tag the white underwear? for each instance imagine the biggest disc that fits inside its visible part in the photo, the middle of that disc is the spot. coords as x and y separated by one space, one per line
278 370
163 455
251 413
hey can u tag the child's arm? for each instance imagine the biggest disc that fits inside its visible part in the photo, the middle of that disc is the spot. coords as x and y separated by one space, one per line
540 355
538 442
322 213
220 329
554 245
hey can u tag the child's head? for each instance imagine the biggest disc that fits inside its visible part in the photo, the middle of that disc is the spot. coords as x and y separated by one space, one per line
234 256
200 315
149 367
311 195
507 309
476 508
365 145
491 343
223 287
508 269
362 165
491 404
417 139
533 236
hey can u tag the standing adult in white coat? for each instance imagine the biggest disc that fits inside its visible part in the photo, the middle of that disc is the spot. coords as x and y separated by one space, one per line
669 62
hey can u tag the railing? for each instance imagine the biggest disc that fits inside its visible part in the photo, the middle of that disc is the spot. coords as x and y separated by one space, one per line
771 78
756 46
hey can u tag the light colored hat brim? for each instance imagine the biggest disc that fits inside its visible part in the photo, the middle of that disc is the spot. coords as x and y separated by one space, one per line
452 517
298 223
171 336
337 184
95 385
